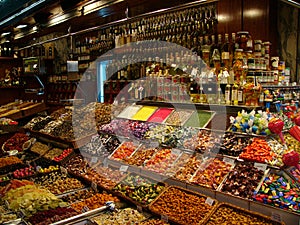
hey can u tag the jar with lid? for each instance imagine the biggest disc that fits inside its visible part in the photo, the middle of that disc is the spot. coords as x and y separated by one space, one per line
244 40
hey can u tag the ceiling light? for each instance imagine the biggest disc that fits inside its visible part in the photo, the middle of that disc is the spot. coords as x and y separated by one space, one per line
5 33
21 26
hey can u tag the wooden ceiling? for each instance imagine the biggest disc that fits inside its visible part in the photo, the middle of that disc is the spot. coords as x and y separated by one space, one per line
112 10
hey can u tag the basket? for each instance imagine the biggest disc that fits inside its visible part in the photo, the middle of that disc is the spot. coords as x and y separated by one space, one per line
183 222
245 211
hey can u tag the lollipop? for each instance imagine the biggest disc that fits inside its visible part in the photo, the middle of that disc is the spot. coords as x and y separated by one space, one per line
291 159
275 126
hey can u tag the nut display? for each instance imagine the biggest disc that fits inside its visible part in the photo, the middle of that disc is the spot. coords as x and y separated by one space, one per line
78 195
51 216
124 151
9 161
233 144
58 183
257 151
124 216
77 165
236 215
242 180
16 142
39 148
96 201
143 154
161 161
53 152
211 173
181 206
153 222
276 190
38 123
139 189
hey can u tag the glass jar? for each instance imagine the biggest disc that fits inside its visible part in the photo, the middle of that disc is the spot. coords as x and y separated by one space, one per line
242 39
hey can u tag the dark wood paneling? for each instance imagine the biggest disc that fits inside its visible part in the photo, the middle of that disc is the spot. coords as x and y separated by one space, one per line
256 18
229 16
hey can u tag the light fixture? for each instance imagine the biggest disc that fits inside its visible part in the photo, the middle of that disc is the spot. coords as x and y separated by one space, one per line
21 26
5 33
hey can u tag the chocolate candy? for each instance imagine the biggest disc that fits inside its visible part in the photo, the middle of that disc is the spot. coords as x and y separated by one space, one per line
242 180
233 144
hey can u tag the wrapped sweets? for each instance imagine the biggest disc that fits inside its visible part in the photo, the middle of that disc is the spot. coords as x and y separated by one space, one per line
253 122
279 191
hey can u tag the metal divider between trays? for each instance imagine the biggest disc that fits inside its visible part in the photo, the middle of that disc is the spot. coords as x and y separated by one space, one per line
155 212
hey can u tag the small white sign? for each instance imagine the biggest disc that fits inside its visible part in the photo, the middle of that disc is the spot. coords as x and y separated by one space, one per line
260 166
123 168
176 151
228 160
94 186
209 201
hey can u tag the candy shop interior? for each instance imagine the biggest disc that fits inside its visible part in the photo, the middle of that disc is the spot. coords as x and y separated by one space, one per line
150 112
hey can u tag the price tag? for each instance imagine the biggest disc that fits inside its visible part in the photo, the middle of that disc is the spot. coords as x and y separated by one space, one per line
209 201
209 89
123 168
176 151
173 65
63 170
228 160
94 159
85 209
276 217
164 218
260 166
139 208
94 186
194 72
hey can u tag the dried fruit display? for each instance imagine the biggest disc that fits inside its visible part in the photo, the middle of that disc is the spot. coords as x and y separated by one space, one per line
78 195
58 183
53 152
143 154
39 148
14 184
96 201
38 123
124 151
153 222
16 142
51 216
139 189
32 199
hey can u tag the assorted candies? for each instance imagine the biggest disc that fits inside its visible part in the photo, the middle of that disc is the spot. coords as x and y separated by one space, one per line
280 192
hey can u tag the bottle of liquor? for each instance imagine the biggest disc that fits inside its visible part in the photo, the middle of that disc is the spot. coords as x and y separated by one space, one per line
241 94
225 54
234 94
232 47
228 94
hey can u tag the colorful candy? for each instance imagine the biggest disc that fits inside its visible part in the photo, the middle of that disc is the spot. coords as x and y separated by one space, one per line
280 192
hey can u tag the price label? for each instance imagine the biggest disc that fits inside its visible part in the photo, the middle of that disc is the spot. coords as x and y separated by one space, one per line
173 65
94 186
139 208
63 170
209 89
164 218
194 72
85 209
94 159
209 201
276 217
228 160
123 168
260 166
176 151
